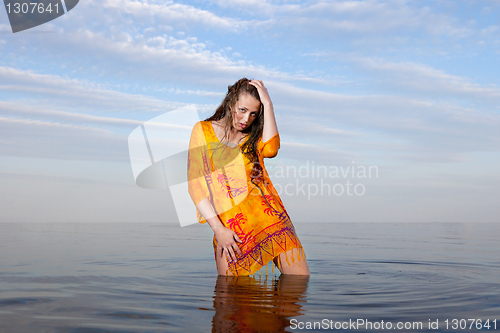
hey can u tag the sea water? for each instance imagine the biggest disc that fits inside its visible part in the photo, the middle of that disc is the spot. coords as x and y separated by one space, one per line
126 277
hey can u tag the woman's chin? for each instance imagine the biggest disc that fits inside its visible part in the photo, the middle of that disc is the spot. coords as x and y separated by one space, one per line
242 129
247 129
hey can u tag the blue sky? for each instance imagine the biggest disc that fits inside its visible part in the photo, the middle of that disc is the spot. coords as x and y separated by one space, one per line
411 87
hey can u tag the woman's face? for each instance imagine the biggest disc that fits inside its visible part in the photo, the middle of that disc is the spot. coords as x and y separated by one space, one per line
245 111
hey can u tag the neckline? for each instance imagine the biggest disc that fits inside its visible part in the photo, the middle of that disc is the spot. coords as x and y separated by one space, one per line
215 135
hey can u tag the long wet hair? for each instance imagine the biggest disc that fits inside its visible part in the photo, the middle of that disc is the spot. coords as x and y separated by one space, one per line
254 131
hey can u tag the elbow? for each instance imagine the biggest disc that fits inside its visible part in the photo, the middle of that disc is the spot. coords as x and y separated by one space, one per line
271 147
270 152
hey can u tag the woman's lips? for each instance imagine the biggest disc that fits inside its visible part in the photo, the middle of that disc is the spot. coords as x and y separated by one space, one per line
243 125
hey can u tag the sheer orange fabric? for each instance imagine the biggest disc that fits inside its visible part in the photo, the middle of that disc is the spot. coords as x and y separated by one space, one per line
222 173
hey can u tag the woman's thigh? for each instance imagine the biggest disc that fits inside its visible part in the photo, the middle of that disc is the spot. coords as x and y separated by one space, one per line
291 262
222 265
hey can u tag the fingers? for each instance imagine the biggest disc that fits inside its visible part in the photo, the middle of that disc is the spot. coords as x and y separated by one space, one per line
220 251
228 240
262 90
237 238
236 246
257 83
238 250
230 255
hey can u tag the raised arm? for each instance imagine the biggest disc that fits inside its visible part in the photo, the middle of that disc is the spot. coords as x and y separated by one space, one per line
270 126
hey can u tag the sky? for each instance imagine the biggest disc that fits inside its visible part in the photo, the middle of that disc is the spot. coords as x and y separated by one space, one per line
409 90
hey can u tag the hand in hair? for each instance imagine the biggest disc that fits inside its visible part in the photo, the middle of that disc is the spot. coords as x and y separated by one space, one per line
270 128
263 94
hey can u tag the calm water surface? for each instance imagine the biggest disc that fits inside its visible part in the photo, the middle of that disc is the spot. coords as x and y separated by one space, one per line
162 278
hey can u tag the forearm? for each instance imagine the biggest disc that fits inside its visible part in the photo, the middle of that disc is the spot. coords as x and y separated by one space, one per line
207 211
270 126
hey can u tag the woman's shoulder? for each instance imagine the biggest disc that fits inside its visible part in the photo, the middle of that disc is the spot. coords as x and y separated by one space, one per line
203 128
200 124
198 129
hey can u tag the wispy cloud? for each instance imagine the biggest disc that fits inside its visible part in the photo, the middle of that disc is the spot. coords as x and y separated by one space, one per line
173 13
358 17
43 139
17 109
350 80
75 92
423 78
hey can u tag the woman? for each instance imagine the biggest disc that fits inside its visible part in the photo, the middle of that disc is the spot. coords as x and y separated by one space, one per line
231 188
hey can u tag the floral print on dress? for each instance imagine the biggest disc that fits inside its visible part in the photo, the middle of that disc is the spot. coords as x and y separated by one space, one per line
258 215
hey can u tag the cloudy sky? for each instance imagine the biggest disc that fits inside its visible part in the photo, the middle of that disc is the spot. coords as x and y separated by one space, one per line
408 88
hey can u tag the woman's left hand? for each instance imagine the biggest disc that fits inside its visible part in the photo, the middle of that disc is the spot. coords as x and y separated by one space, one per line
262 90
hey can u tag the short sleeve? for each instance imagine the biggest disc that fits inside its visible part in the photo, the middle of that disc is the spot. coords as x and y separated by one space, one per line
198 168
269 149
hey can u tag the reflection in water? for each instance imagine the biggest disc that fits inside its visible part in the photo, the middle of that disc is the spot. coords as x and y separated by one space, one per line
137 277
247 304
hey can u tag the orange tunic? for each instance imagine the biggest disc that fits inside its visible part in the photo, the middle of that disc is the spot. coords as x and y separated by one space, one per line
222 173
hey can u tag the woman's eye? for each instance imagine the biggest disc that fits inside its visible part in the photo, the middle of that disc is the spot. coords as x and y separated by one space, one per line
242 110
